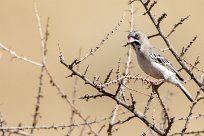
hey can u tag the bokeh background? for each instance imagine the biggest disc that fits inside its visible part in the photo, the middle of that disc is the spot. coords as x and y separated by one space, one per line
76 24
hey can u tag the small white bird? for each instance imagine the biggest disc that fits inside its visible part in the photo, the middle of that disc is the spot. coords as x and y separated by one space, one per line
154 64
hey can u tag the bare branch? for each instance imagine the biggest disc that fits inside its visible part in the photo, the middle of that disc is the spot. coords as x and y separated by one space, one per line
170 46
112 120
108 76
184 50
39 97
56 127
192 66
15 55
42 40
136 91
106 93
148 104
44 51
131 1
154 35
190 113
150 7
191 117
196 133
177 25
101 43
89 96
155 90
161 18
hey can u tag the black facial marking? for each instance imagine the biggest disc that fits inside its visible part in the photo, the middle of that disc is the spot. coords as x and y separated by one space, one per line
136 43
136 36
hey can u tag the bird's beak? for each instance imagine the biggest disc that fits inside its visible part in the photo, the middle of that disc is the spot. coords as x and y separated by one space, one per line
132 40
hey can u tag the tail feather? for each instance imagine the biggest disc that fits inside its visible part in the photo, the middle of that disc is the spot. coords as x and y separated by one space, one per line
185 91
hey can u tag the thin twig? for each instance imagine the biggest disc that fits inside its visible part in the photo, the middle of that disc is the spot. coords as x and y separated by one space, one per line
106 93
15 55
73 100
170 46
190 113
39 97
184 50
112 120
101 43
43 54
177 25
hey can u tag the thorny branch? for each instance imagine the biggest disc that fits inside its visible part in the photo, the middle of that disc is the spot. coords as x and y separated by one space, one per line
177 25
92 51
43 52
123 101
184 50
190 113
120 93
169 45
108 94
15 55
103 92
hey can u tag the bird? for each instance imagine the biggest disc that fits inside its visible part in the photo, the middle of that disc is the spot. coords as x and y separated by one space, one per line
153 63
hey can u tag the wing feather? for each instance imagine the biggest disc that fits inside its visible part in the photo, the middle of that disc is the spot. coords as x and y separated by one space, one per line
164 62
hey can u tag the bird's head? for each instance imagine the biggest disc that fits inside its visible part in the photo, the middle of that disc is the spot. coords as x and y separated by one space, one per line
137 39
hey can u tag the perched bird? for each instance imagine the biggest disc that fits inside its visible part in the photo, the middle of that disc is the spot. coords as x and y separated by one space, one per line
152 63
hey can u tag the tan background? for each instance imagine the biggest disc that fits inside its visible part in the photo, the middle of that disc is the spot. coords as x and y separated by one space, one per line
82 24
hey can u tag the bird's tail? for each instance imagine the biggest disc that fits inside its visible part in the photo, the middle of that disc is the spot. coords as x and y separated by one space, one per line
185 91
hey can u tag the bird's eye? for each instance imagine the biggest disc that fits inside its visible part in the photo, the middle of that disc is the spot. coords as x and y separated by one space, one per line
136 36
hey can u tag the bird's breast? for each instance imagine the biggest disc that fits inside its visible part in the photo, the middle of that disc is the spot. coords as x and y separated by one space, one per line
150 68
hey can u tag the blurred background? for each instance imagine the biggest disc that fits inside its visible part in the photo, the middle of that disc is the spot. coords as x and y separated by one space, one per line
83 24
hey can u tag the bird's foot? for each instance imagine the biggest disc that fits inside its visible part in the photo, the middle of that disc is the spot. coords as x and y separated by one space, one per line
157 82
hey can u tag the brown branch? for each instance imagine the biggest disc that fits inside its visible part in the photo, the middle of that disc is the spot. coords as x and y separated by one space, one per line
155 90
161 18
154 35
112 120
89 96
148 104
73 101
44 51
195 63
131 1
39 97
92 51
190 113
150 7
18 132
177 25
191 117
136 91
196 133
121 89
106 93
15 55
101 128
184 50
192 66
124 121
55 127
108 76
118 69
170 46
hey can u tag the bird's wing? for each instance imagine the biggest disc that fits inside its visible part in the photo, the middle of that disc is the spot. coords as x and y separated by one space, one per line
156 57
